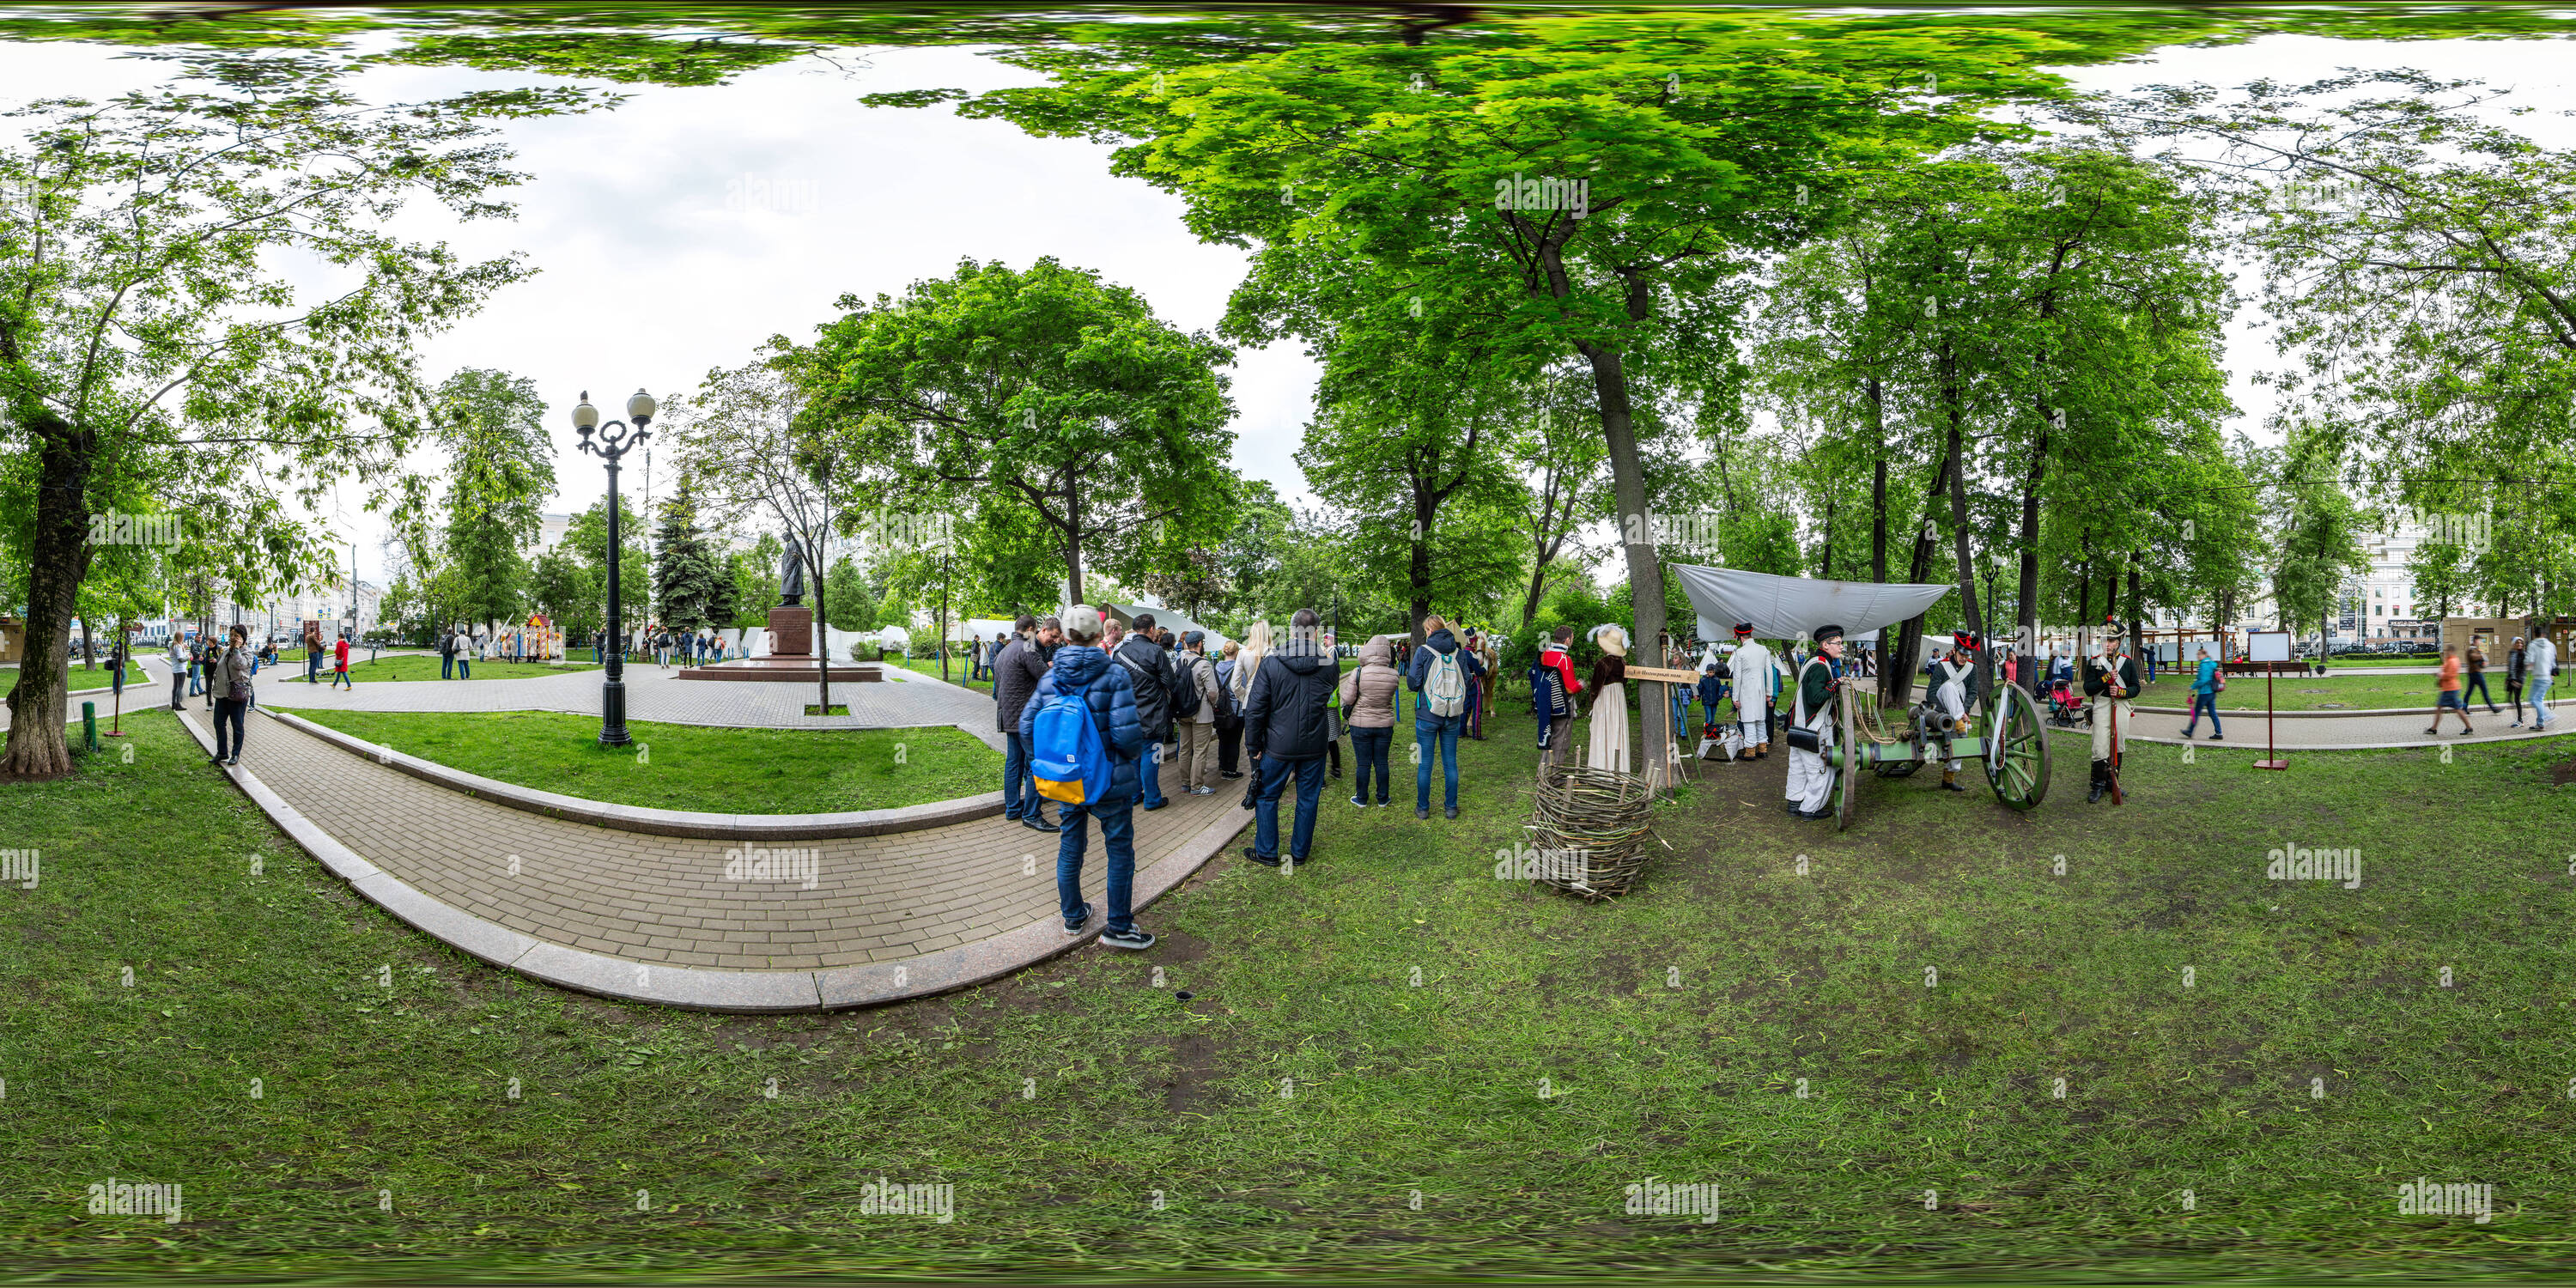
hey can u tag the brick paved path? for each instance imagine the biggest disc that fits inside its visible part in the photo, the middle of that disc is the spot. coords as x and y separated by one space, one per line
655 694
665 900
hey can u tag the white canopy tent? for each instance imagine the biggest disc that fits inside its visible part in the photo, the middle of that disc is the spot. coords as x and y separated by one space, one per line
1790 608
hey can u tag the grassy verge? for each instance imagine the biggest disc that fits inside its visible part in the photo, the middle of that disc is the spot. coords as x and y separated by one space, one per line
1288 1114
416 667
692 767
2328 692
957 668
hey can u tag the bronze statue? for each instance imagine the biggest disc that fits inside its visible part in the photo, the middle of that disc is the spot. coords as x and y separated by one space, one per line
791 578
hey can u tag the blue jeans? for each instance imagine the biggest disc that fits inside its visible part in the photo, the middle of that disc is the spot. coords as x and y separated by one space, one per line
1437 738
1265 810
2478 685
2202 702
465 666
1149 776
1118 832
447 667
1020 797
2540 699
1369 747
312 668
228 719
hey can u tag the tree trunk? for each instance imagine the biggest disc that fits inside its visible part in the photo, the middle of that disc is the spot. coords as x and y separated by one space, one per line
2137 614
1825 557
1417 567
59 555
2029 606
1878 484
1896 677
1073 537
1959 494
1628 488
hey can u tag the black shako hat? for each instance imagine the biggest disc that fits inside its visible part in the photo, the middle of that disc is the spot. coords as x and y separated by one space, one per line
1743 628
1827 634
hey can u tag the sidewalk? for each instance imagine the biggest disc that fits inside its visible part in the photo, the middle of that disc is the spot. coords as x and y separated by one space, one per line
656 917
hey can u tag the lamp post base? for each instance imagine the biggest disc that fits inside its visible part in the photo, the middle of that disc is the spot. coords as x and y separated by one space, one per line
612 714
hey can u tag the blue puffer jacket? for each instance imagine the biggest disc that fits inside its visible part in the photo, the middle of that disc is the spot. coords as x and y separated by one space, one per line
1084 669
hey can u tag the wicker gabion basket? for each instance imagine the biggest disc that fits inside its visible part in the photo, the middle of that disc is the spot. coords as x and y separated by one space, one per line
1590 829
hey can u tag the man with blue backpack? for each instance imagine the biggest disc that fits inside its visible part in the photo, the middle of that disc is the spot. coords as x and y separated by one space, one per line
1084 743
1442 676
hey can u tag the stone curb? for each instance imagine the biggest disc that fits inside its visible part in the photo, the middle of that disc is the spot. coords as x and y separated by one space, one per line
661 822
2247 713
2524 735
691 988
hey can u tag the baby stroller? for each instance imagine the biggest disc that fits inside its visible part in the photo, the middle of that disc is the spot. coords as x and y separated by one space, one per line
2066 709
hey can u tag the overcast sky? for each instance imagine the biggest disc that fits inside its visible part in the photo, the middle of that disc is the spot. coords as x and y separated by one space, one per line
680 230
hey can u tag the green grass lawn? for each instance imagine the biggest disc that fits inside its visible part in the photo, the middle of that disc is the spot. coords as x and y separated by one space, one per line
692 767
2331 691
1288 1113
957 668
418 667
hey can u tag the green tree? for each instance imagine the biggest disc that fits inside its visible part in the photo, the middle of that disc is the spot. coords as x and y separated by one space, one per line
493 426
690 587
587 538
1049 390
166 218
853 603
572 594
755 580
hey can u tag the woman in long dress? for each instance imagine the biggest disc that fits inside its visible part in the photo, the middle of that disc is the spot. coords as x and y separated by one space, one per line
1609 748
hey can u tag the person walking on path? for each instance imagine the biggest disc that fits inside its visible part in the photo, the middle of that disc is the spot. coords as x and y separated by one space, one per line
1247 673
231 684
1229 717
1369 701
2513 671
340 665
1016 674
1197 729
2540 666
1286 727
178 672
1149 671
313 655
2477 685
1552 691
1080 668
2205 684
1440 677
2450 698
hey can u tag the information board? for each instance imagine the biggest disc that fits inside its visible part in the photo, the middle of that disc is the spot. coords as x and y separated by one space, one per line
2267 646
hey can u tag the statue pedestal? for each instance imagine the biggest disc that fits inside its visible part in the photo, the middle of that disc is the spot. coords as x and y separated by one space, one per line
791 631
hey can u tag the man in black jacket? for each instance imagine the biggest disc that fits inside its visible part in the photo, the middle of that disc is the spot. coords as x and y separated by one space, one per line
1016 671
1286 726
1149 668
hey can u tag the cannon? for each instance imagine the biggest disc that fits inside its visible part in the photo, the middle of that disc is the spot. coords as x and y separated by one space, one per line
2014 753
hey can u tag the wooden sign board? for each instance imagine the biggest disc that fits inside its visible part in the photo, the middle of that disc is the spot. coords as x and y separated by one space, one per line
1662 674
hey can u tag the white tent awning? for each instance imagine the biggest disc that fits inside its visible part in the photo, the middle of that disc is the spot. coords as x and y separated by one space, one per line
1788 608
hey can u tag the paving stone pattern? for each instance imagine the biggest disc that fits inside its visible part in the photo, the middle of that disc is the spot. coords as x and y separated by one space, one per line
665 899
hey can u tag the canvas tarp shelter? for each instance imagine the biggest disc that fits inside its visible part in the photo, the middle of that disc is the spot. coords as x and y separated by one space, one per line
1789 608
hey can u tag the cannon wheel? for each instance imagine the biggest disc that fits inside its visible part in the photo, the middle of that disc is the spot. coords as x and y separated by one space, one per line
2017 762
1847 784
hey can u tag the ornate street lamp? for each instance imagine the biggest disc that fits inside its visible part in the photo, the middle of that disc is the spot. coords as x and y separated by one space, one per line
609 447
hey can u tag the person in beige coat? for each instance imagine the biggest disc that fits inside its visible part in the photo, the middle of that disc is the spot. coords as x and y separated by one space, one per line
232 676
1197 733
1368 707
